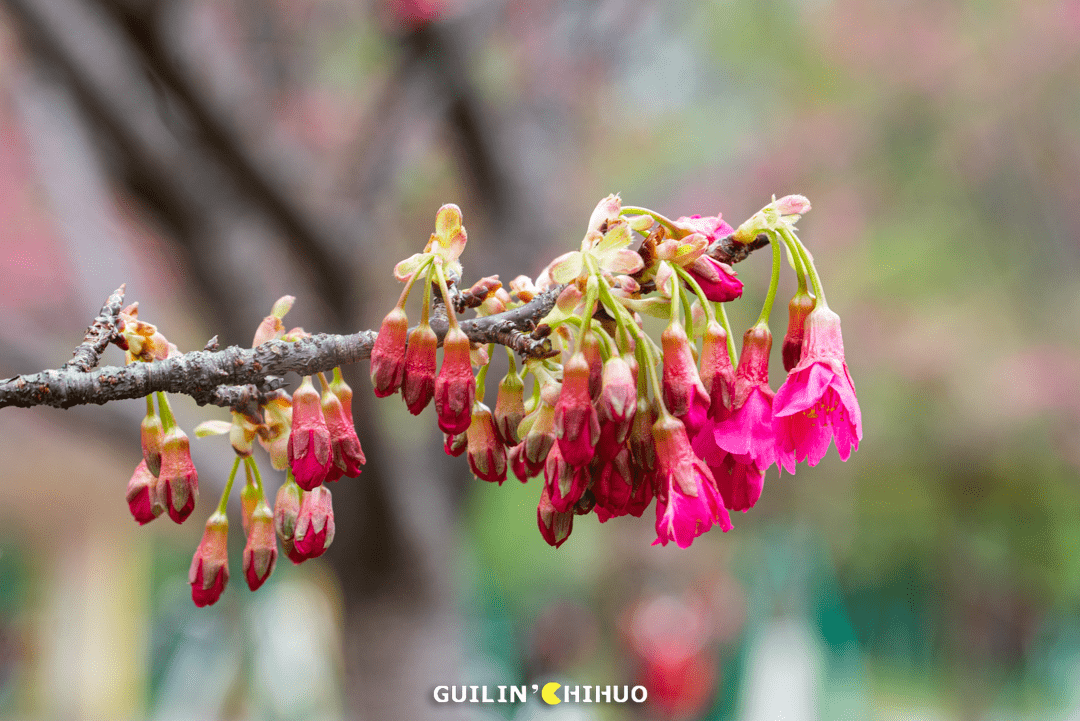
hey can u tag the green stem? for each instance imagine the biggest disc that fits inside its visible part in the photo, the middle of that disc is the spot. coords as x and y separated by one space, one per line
804 254
721 315
224 502
592 291
167 420
250 462
774 282
696 287
150 405
644 346
322 381
481 376
424 312
662 220
409 283
676 298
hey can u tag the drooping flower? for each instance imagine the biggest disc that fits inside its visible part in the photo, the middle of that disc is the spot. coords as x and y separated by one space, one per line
144 496
418 386
347 457
817 402
749 431
617 404
717 373
565 483
286 513
209 570
684 394
555 526
590 348
739 481
455 443
576 424
540 435
510 407
260 552
151 433
614 486
798 309
315 523
455 386
310 453
179 479
688 502
487 455
388 353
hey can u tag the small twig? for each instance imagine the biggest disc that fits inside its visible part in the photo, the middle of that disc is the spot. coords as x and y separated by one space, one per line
98 336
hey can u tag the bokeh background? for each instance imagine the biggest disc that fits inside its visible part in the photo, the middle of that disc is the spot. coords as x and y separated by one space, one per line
215 155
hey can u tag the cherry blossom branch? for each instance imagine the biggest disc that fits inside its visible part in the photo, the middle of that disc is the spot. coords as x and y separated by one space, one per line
240 378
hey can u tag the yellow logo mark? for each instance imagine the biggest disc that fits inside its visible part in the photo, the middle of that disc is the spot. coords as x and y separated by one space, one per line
548 694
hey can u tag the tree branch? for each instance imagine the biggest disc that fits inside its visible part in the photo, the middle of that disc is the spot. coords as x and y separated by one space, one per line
98 336
240 378
235 377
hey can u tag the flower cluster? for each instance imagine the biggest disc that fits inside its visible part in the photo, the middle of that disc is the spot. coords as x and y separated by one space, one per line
611 419
310 435
614 420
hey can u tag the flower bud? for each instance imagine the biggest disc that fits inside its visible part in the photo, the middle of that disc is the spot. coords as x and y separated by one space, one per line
274 436
515 457
151 433
455 386
555 527
418 386
178 476
644 490
564 482
618 397
717 373
315 524
310 454
576 424
510 407
144 496
455 443
684 394
591 349
641 443
388 353
286 512
717 280
250 497
540 437
210 566
614 487
346 454
798 309
487 456
260 552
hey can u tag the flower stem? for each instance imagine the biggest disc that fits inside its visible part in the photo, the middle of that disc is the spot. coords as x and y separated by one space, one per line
808 262
425 311
409 283
251 464
721 315
150 405
224 502
167 420
481 376
662 220
696 287
774 281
